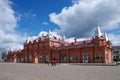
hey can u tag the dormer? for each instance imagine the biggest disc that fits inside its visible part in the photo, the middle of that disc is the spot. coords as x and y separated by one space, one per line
84 44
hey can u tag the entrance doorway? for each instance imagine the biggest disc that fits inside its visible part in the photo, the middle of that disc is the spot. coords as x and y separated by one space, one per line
85 58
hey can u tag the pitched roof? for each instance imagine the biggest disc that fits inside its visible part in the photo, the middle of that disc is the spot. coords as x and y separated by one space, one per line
115 47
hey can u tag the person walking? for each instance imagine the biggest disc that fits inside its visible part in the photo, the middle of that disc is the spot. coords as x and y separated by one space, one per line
52 62
55 62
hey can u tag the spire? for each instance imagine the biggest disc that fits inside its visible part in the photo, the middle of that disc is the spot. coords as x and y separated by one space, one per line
49 34
106 37
98 30
63 38
11 50
27 40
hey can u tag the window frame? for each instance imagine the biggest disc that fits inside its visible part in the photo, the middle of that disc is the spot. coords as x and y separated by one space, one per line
73 58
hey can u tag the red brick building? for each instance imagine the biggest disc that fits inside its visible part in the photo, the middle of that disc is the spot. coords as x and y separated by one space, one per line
41 50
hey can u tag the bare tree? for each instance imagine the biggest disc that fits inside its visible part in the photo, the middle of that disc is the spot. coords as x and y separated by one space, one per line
3 53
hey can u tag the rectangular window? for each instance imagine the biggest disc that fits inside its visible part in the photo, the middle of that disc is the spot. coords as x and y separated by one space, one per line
79 46
68 47
35 46
63 57
97 47
59 48
51 44
54 48
73 58
30 57
47 58
98 57
26 58
25 47
40 45
91 45
40 57
30 47
46 44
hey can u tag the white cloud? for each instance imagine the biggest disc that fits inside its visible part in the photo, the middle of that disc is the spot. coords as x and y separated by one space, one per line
79 20
29 13
114 39
45 23
7 17
9 38
75 1
53 33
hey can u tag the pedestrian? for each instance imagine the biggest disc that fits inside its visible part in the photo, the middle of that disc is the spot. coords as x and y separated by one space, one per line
55 62
48 62
52 62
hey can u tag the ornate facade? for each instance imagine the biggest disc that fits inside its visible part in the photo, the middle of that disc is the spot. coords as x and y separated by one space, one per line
42 50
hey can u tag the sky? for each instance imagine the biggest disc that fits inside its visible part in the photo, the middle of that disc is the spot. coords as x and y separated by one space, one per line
72 18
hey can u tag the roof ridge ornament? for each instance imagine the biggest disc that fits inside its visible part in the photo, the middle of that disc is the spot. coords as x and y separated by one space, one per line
98 22
27 40
98 30
49 34
106 36
63 37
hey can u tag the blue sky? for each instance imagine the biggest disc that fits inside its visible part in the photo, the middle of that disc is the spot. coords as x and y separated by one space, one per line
34 14
73 18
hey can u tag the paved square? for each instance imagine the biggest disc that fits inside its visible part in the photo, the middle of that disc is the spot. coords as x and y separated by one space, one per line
22 71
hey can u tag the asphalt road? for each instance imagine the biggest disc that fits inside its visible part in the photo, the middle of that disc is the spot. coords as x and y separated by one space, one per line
22 71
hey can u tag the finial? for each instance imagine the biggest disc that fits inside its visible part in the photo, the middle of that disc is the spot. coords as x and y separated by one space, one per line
97 21
49 34
98 30
27 40
106 36
63 37
48 29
